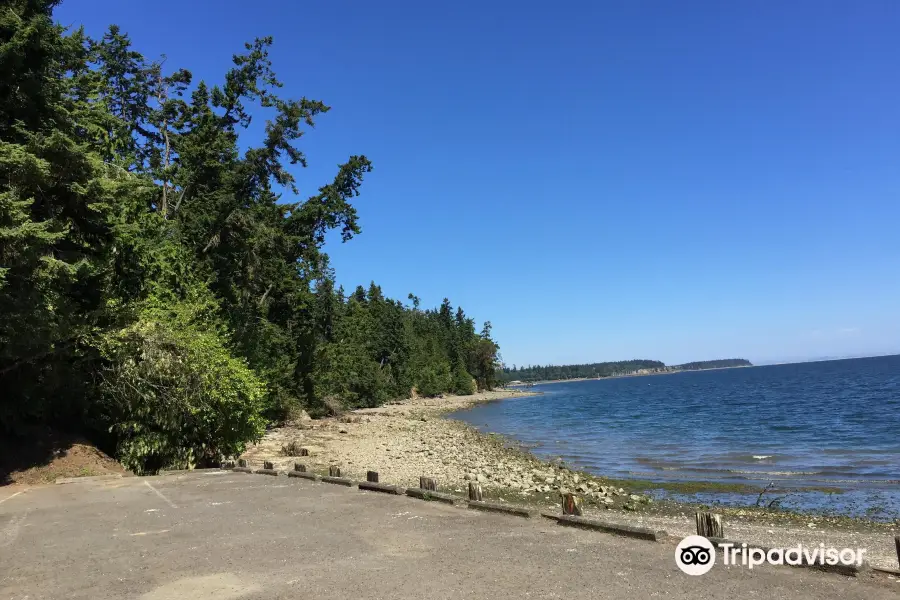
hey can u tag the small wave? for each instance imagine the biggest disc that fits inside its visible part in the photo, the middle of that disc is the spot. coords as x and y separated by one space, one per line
761 456
778 473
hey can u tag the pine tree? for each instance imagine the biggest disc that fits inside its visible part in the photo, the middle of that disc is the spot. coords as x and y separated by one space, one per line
59 208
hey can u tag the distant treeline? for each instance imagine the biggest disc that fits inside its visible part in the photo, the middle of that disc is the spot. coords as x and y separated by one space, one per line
610 369
714 364
604 369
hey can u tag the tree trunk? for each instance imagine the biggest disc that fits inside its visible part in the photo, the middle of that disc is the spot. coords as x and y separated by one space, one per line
162 96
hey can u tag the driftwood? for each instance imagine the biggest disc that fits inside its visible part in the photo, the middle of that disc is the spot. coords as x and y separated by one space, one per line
709 525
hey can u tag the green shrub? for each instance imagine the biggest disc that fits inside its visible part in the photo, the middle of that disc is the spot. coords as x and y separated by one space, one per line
463 383
347 379
174 396
434 379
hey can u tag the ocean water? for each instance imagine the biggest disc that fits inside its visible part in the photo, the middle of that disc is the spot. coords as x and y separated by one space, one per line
827 434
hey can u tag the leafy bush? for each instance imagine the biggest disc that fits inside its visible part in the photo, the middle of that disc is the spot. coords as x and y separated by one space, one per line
434 379
463 383
347 379
175 397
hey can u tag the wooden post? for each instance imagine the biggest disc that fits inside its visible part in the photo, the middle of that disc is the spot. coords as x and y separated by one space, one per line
334 471
897 544
571 505
304 451
475 492
268 465
710 525
372 476
242 463
300 468
428 483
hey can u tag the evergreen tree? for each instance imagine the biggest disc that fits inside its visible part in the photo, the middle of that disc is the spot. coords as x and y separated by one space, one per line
60 207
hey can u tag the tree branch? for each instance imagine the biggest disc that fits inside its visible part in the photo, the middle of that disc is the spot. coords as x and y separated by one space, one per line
263 299
180 198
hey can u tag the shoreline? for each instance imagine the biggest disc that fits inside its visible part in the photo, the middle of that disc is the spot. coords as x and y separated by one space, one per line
406 439
546 381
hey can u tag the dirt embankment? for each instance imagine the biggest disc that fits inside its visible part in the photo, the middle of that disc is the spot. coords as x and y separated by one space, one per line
43 455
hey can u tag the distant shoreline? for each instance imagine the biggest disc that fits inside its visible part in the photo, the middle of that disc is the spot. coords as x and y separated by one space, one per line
766 364
546 381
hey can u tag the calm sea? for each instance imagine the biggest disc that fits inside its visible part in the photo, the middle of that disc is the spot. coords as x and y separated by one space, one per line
827 433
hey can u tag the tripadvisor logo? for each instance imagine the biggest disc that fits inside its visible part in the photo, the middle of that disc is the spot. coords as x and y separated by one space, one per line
696 555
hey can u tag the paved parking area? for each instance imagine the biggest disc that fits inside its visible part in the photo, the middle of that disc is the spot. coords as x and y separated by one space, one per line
231 535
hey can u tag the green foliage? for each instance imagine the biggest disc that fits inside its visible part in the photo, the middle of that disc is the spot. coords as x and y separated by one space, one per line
463 383
59 204
174 396
371 348
433 378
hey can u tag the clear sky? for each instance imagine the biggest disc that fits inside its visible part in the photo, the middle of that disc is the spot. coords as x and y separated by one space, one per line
601 180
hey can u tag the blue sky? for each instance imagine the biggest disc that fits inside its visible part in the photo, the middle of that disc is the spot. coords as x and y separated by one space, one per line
601 180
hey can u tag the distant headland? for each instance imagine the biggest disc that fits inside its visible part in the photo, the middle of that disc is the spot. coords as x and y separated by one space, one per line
624 368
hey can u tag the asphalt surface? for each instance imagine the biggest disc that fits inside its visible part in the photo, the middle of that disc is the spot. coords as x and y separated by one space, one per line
230 535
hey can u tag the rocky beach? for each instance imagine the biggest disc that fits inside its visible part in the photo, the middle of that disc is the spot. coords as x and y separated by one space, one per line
410 438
